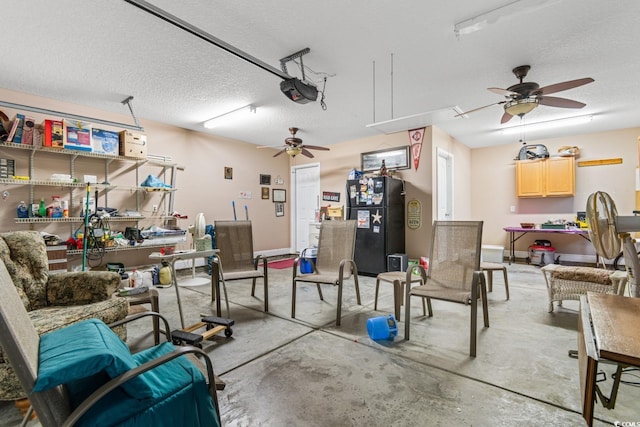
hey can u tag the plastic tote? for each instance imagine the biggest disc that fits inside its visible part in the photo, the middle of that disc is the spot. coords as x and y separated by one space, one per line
382 327
306 257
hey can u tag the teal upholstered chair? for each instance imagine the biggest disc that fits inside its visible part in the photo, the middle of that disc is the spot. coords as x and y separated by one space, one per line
53 301
84 374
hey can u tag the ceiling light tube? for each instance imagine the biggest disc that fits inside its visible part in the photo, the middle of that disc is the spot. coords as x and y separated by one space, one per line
230 116
532 127
511 9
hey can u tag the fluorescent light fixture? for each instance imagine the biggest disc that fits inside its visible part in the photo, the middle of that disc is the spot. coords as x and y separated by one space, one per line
415 121
231 116
532 127
459 112
509 10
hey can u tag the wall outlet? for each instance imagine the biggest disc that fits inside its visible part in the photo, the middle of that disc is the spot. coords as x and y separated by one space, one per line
512 209
155 208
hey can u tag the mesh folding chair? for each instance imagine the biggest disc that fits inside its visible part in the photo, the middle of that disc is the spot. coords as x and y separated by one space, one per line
334 263
235 259
454 273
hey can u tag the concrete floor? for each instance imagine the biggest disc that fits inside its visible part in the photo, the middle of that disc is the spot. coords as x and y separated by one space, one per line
306 372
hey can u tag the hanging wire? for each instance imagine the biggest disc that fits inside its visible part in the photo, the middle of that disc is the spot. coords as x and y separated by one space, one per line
320 75
374 92
392 85
523 128
322 103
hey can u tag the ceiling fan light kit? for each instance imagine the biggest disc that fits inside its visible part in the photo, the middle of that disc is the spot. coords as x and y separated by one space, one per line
520 107
293 151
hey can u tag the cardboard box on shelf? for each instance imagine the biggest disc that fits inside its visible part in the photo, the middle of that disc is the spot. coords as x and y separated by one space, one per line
133 144
104 141
53 133
77 135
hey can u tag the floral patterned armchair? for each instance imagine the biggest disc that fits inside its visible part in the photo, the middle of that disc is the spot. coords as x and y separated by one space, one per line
55 300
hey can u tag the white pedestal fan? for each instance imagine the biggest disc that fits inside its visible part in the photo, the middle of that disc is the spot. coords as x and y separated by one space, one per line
609 232
197 231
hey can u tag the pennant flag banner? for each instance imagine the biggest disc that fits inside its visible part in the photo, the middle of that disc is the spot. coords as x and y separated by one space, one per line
415 137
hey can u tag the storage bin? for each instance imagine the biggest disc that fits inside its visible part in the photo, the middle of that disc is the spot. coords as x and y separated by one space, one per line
307 256
492 253
542 255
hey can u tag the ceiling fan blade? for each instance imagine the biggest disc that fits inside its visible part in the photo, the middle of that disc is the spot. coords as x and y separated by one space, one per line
504 92
564 86
307 153
479 108
269 146
315 147
505 118
554 101
278 153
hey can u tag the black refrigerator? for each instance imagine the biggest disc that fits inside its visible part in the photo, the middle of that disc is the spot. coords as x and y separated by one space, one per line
377 204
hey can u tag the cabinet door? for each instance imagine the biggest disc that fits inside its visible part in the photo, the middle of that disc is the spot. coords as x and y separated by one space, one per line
560 176
530 178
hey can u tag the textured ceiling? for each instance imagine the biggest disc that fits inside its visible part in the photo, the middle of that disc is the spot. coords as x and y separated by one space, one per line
385 60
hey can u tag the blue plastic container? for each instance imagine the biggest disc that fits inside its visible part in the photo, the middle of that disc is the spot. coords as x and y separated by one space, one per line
306 257
382 327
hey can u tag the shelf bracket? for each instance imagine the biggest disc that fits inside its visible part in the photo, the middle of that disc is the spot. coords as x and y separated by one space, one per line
127 102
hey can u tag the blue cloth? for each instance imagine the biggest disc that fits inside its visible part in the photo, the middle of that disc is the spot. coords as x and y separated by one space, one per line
82 350
180 398
87 354
152 181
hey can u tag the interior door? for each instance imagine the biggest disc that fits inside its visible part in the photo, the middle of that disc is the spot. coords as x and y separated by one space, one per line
306 201
445 185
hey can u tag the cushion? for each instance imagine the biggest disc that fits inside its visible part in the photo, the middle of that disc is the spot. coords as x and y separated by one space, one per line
180 397
582 274
25 256
86 349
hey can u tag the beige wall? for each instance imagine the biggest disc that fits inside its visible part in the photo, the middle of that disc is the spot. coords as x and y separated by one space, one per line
494 191
336 164
484 183
201 186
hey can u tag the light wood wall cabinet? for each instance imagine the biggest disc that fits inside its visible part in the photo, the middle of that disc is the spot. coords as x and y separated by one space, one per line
552 177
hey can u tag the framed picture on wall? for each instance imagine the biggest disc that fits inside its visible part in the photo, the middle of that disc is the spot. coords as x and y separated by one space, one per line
265 193
279 195
228 172
394 158
265 180
279 209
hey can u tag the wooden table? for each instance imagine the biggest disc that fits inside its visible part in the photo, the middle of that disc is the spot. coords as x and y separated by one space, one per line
608 330
513 238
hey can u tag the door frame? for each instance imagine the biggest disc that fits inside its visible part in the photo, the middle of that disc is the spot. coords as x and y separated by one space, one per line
294 200
448 184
